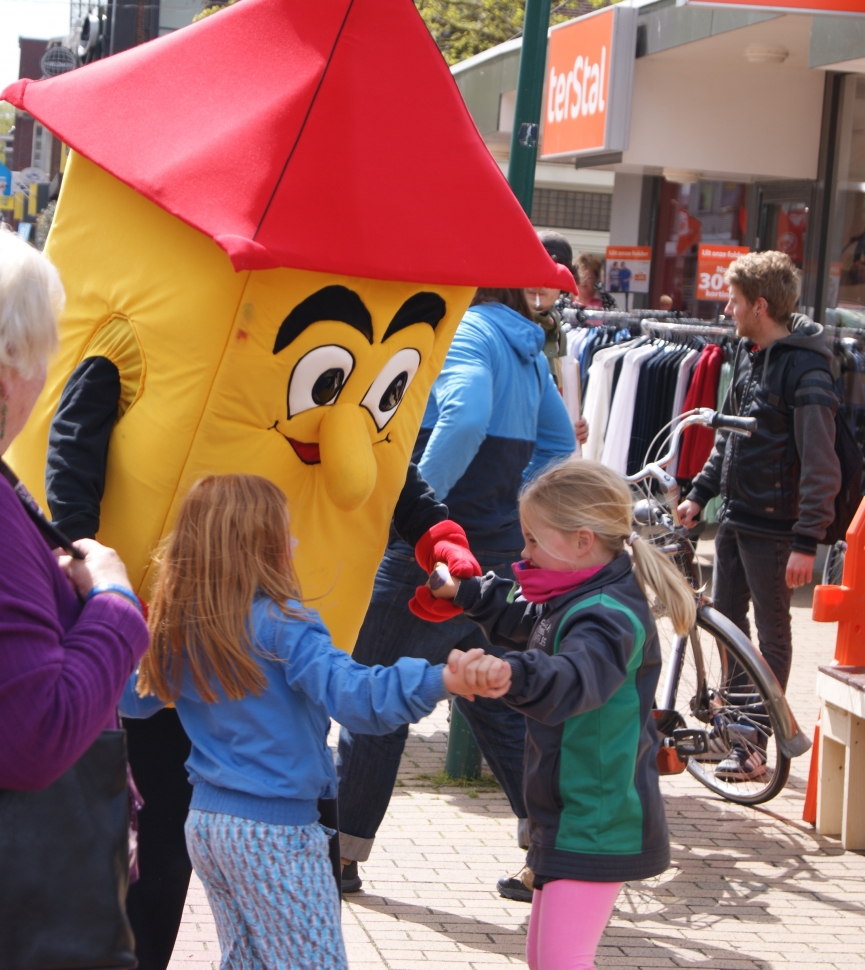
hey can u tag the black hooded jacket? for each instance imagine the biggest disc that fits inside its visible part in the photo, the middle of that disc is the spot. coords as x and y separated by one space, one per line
781 481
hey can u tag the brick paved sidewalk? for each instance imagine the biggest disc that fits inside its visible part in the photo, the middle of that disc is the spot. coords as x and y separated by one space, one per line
749 889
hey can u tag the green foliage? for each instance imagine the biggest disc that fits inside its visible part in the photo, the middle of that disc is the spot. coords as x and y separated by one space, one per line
211 10
462 28
7 117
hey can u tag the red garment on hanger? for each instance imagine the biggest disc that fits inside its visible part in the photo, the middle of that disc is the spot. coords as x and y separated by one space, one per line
703 393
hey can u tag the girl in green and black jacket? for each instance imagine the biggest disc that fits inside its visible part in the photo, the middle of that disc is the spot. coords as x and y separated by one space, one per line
585 677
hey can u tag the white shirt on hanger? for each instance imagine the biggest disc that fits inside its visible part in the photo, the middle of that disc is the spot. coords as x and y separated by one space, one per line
596 409
618 438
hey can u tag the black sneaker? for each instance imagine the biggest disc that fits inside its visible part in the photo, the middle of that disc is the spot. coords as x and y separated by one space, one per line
741 765
351 881
519 887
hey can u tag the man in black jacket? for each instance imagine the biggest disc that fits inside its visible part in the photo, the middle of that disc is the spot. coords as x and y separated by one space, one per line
779 485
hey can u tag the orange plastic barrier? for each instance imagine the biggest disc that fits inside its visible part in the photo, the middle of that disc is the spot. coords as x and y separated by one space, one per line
845 604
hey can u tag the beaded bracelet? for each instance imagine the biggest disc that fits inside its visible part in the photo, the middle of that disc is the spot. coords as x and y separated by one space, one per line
114 588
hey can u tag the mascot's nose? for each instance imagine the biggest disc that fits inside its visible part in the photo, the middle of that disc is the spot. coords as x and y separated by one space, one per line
346 456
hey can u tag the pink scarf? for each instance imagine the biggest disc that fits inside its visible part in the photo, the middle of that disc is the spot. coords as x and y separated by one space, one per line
539 585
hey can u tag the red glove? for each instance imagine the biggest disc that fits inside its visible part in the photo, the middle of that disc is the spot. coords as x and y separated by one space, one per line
445 542
427 607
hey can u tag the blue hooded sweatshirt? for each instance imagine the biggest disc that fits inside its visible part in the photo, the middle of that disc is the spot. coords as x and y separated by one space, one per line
265 757
494 419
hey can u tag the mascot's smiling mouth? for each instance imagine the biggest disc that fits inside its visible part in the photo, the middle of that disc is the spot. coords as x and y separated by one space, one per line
308 451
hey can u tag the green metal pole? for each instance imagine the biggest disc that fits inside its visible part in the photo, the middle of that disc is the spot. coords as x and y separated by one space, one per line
530 92
463 758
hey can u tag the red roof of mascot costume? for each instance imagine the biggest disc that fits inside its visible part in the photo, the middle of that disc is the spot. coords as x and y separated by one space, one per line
223 178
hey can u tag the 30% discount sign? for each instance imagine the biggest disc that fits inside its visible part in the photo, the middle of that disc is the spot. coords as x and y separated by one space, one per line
713 261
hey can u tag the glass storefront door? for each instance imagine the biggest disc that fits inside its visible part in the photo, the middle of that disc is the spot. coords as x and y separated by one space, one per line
845 290
705 211
783 220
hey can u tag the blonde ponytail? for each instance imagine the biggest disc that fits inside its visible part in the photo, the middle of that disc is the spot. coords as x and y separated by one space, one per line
580 494
655 571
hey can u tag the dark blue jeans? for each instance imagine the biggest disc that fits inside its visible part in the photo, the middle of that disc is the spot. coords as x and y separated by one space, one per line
368 764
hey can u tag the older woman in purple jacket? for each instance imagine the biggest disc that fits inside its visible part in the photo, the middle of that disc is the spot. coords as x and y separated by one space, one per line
71 631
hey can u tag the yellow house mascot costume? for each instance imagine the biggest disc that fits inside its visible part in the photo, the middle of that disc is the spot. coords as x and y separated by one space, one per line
268 234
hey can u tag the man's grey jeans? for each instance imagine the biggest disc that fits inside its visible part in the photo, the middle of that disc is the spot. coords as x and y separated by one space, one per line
753 568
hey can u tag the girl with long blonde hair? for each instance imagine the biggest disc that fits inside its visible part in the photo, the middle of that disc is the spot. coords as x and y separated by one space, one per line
585 677
255 678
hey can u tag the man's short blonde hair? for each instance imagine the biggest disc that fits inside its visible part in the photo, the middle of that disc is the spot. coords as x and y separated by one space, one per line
771 275
31 299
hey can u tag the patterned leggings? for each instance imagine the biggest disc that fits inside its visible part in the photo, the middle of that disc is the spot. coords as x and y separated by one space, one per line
271 890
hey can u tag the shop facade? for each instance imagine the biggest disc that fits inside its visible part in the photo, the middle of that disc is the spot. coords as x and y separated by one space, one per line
745 128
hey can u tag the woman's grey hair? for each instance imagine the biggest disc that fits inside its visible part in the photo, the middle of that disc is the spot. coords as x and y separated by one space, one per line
31 299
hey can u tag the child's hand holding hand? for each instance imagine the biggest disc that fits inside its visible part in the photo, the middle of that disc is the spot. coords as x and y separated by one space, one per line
475 672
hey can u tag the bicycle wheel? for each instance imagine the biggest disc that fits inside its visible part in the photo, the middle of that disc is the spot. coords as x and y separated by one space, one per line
710 681
833 569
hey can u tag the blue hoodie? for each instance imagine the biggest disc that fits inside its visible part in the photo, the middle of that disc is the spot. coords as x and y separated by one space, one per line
266 757
494 419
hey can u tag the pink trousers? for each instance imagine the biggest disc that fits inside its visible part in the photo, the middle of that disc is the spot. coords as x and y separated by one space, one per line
567 922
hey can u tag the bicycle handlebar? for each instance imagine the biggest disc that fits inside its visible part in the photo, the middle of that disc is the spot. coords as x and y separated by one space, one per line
702 416
732 423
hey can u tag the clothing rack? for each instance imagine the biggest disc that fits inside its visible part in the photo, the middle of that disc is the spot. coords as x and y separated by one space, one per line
689 325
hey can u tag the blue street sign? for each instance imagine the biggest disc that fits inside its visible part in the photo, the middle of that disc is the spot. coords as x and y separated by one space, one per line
6 180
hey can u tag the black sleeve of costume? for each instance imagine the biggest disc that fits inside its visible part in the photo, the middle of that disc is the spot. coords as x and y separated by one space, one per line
417 510
78 446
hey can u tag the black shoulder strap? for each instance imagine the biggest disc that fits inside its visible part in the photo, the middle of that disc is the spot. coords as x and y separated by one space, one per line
50 533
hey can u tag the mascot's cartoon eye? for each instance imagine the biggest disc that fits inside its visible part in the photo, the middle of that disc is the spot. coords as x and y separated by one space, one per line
388 389
318 377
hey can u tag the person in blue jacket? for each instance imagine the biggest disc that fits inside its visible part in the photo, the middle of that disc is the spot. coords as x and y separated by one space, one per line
494 419
255 679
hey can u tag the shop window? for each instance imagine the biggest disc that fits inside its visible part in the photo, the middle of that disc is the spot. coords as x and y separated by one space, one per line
687 215
41 156
563 209
845 255
846 248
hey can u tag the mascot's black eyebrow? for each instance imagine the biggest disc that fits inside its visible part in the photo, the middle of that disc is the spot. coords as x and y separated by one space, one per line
331 303
345 306
420 308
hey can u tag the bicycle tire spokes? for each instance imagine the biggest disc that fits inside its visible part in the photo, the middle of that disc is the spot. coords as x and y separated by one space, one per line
716 694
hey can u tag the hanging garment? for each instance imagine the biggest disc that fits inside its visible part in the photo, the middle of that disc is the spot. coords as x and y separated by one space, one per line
683 382
703 393
599 397
713 506
654 404
618 437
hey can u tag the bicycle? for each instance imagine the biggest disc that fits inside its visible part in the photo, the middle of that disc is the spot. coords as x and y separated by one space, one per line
717 691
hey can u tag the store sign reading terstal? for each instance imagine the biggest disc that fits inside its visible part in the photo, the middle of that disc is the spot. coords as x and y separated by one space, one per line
785 6
587 103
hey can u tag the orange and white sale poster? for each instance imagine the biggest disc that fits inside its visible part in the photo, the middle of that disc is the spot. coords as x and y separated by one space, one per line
628 269
713 261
